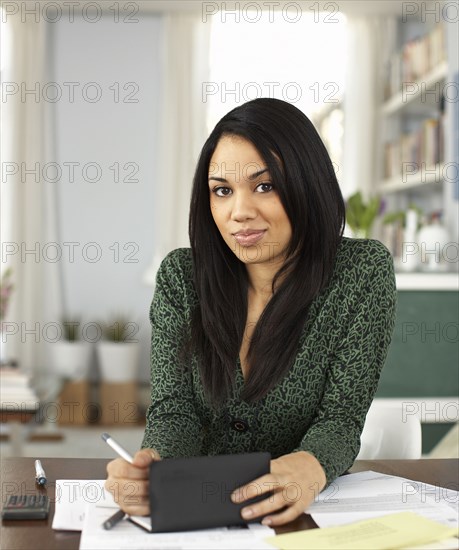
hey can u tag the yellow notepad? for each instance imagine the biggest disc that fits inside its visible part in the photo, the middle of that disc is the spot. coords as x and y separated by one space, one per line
386 532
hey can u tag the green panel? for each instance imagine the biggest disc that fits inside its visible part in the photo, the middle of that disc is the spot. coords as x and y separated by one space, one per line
424 355
432 434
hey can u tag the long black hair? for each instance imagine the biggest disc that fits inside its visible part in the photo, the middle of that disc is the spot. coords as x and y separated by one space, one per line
303 175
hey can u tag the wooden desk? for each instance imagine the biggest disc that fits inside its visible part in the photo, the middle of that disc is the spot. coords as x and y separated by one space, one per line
18 476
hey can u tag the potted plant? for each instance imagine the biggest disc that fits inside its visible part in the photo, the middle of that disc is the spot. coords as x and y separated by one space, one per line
406 236
118 351
400 216
71 354
360 216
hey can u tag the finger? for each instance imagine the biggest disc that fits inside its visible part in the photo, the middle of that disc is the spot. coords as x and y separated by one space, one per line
125 487
266 506
287 515
257 487
113 466
145 457
120 468
133 497
130 494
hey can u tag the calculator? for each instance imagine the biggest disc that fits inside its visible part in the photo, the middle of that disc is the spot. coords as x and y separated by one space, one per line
26 507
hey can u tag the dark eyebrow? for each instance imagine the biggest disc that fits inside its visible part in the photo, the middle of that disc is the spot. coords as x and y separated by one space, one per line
252 177
255 175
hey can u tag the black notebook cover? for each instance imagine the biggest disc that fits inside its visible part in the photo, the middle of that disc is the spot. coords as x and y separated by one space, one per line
195 493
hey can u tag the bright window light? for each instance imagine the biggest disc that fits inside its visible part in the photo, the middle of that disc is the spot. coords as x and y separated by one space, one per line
302 62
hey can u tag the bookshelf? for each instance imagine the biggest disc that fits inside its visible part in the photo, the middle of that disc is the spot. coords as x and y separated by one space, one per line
412 94
415 131
415 143
429 178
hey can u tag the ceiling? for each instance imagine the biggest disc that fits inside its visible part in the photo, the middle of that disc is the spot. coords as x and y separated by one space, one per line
363 7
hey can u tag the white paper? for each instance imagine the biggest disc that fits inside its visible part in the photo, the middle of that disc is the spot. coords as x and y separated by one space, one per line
445 544
126 535
16 395
72 495
365 495
83 505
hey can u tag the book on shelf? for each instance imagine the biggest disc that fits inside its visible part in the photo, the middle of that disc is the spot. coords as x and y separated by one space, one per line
414 60
420 149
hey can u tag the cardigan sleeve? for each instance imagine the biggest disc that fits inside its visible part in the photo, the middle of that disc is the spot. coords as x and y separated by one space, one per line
173 427
354 370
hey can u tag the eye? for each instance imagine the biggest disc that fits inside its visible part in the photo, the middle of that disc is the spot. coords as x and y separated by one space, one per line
265 185
217 190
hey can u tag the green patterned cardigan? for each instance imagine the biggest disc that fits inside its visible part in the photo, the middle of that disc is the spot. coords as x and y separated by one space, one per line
319 406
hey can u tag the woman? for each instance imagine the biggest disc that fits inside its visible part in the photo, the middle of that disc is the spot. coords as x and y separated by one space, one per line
270 333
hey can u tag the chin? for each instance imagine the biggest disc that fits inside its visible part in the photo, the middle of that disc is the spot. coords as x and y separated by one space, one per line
249 255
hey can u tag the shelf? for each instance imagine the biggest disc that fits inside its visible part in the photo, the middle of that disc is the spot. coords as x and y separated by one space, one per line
398 102
427 281
427 177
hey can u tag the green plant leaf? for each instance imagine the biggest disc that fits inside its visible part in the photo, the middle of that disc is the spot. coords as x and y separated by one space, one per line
360 216
354 209
370 213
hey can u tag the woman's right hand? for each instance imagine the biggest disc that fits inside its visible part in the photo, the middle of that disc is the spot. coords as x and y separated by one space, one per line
129 482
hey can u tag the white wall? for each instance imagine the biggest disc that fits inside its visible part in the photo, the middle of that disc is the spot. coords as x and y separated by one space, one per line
105 132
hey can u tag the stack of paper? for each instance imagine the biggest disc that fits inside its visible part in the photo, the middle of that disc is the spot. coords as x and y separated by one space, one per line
83 505
125 535
389 532
15 392
356 511
365 495
72 495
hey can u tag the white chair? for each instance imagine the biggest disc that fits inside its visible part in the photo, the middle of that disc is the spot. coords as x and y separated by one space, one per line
390 433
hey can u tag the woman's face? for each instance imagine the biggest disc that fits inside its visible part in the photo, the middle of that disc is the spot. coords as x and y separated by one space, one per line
243 199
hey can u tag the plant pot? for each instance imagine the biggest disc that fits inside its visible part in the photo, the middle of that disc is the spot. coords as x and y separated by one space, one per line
118 361
70 360
359 234
433 242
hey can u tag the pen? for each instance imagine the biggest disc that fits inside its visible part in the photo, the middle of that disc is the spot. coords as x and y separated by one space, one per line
117 447
113 520
40 476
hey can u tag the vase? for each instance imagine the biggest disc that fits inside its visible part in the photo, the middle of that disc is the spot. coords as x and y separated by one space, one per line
71 360
410 256
433 241
360 234
118 361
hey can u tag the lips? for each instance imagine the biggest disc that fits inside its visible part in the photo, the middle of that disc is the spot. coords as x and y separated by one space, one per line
248 238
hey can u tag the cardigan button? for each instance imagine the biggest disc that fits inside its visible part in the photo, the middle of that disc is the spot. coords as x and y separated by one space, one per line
239 425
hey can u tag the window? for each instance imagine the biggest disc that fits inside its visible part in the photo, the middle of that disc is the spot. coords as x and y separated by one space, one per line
303 62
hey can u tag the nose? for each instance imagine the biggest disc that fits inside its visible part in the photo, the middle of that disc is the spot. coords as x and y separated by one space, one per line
243 206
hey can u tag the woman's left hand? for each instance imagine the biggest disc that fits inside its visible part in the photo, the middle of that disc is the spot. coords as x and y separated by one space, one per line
295 479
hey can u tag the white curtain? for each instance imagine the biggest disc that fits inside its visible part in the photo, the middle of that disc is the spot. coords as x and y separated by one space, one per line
363 96
185 66
28 204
